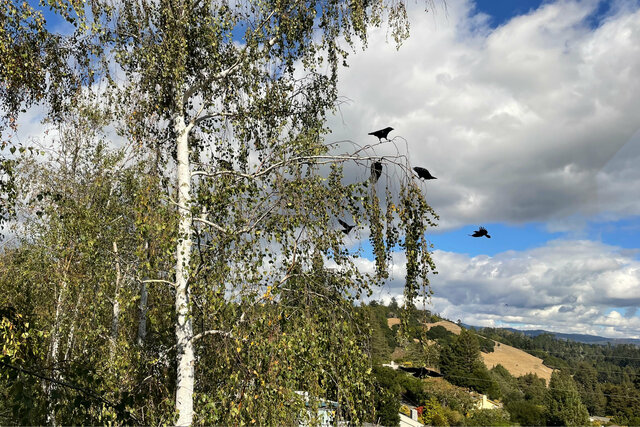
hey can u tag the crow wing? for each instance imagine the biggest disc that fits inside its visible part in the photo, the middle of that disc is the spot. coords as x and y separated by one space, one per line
376 171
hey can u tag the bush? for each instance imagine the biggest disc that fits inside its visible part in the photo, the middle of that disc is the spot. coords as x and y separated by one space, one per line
433 413
488 417
526 413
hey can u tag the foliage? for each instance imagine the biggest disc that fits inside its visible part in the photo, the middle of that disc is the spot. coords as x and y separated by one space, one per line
486 345
462 365
488 417
586 379
525 412
448 395
433 413
533 388
383 340
562 401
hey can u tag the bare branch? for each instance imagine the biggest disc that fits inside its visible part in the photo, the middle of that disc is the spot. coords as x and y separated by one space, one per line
211 224
166 282
212 332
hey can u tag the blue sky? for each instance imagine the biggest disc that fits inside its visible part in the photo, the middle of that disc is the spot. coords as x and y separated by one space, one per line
526 111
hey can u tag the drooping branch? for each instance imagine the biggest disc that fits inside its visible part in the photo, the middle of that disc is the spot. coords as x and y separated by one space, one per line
83 390
242 57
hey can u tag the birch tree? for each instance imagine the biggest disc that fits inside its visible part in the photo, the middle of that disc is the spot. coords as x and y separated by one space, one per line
235 94
75 272
232 98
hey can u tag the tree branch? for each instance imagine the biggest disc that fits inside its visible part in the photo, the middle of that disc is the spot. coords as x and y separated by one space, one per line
211 224
166 282
71 386
224 73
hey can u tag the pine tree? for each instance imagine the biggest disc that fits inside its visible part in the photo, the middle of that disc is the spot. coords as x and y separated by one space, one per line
563 403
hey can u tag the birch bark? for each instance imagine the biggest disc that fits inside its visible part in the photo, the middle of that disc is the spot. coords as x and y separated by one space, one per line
184 329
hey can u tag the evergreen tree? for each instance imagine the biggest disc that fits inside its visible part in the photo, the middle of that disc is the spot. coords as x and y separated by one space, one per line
462 365
563 403
586 378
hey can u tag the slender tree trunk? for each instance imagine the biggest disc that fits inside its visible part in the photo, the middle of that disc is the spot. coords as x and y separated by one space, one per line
54 347
144 298
184 328
115 320
72 330
142 315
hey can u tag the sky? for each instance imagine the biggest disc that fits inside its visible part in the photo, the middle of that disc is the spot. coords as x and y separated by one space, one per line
527 112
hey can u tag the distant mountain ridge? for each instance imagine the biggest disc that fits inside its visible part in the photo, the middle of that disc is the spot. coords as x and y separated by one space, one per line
583 338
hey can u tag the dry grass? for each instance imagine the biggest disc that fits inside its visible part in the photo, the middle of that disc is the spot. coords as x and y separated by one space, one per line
516 361
393 321
449 326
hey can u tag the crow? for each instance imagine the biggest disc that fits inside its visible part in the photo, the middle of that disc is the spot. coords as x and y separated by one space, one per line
346 227
423 173
376 171
382 133
480 232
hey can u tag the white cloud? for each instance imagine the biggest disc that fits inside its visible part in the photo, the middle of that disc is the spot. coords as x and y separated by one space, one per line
519 123
564 286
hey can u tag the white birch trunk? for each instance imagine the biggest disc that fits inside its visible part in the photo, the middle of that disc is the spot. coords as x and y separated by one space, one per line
142 314
184 328
53 355
142 319
72 330
115 320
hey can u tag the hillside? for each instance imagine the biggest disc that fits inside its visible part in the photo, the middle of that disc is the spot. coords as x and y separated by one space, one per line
449 326
581 338
516 361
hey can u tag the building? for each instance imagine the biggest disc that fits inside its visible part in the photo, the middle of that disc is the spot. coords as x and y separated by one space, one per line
485 403
411 421
324 414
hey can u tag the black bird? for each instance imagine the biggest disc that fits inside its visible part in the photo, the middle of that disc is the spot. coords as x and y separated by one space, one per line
423 173
346 227
376 171
382 133
480 232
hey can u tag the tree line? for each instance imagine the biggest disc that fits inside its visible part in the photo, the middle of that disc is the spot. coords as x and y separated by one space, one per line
588 379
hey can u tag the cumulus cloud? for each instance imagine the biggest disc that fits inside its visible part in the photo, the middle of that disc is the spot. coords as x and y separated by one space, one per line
563 286
519 123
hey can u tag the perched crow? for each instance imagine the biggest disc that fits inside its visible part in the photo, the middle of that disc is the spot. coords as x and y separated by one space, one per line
376 171
382 133
423 173
346 227
480 232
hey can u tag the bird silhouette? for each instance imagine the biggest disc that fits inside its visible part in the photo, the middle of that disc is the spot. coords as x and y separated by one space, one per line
382 133
376 171
346 227
423 173
480 232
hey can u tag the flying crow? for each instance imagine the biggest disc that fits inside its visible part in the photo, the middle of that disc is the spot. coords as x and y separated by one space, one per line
423 173
346 227
376 171
480 232
382 133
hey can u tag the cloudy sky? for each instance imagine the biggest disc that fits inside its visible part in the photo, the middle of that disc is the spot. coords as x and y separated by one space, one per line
528 112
